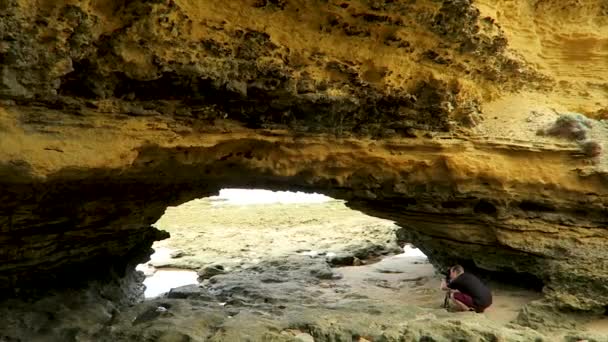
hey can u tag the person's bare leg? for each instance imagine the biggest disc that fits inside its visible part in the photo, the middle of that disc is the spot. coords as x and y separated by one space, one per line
458 305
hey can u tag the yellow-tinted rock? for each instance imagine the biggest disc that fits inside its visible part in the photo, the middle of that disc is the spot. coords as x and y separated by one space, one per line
425 113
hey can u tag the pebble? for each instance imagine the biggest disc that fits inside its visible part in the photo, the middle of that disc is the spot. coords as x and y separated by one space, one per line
211 271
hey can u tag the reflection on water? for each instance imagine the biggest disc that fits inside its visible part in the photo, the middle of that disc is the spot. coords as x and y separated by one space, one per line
159 281
409 251
164 280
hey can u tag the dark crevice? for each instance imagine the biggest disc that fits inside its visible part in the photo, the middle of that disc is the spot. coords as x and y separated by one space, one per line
79 83
453 204
485 207
535 206
266 101
504 276
226 157
169 86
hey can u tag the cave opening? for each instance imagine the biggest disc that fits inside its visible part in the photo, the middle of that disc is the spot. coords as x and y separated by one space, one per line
277 250
277 237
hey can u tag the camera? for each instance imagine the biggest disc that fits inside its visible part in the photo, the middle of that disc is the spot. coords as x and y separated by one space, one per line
446 300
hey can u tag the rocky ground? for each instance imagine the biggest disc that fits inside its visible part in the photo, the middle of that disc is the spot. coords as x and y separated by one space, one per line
309 271
238 236
280 272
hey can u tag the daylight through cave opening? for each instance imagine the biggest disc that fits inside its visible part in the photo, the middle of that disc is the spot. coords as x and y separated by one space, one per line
241 230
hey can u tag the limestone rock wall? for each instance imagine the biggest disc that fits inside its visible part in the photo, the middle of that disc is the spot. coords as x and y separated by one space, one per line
315 66
424 112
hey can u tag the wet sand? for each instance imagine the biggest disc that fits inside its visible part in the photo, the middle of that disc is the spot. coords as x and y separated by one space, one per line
599 326
164 280
418 284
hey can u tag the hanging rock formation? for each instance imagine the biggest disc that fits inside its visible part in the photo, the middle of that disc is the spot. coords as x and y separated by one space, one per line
436 114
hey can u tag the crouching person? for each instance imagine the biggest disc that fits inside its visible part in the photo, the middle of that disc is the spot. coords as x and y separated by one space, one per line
466 291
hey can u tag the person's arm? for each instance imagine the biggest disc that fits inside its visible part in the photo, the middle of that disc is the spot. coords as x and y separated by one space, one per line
453 285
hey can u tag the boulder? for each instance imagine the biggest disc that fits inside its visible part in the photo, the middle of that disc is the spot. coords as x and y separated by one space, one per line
210 271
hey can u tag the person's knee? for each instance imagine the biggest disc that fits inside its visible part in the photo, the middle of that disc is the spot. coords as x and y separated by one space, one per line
460 306
456 301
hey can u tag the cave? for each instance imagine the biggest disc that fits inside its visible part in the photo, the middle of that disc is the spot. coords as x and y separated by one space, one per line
110 113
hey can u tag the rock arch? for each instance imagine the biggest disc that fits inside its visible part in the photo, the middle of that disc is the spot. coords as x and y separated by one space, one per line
94 145
80 215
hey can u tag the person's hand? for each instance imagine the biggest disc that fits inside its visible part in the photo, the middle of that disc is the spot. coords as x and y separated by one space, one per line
444 285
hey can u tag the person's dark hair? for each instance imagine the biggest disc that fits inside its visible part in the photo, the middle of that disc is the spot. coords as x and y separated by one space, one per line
457 268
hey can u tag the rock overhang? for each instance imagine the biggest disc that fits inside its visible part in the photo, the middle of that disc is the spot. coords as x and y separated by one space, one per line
133 107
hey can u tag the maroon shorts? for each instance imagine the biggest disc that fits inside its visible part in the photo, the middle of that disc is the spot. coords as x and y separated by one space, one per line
465 299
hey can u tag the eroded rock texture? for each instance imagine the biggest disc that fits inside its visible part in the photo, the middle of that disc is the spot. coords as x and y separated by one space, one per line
423 112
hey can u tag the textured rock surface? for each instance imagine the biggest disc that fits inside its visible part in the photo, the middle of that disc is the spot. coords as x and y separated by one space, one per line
422 112
287 293
278 300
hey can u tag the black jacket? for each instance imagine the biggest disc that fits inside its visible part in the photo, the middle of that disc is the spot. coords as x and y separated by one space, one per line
472 286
